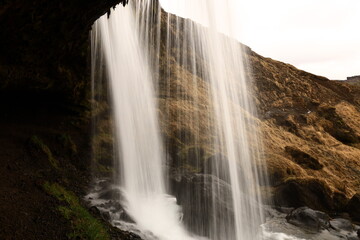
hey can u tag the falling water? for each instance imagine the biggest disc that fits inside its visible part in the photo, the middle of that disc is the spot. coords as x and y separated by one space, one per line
137 130
134 41
218 60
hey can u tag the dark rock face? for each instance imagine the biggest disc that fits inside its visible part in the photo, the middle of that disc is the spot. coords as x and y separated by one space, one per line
217 165
312 193
44 46
303 159
44 85
195 157
353 207
194 194
309 219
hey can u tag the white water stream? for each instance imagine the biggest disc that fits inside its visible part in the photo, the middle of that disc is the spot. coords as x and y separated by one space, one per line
219 61
137 130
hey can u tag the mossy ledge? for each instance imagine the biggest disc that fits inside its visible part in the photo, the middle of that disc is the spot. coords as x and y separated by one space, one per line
40 146
83 224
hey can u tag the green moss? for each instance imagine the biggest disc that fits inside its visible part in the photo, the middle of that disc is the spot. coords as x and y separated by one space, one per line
38 144
67 142
104 169
84 225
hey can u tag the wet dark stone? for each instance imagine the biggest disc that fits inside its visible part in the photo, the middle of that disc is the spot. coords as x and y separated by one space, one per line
116 206
340 201
341 224
106 216
94 210
285 210
126 217
309 219
309 192
194 192
217 165
195 157
112 193
353 207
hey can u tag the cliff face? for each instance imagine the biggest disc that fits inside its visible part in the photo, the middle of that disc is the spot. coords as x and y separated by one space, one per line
311 132
44 46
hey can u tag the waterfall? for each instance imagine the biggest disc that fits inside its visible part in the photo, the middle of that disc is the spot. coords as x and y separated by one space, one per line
217 59
137 130
148 55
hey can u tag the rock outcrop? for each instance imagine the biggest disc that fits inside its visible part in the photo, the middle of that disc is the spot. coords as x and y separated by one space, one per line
311 132
309 219
355 80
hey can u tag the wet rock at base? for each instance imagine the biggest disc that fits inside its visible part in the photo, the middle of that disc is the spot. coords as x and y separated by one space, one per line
309 219
200 200
111 193
217 165
304 192
353 207
94 210
341 224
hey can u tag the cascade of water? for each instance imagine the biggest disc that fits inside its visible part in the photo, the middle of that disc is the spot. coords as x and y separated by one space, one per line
134 50
137 131
218 61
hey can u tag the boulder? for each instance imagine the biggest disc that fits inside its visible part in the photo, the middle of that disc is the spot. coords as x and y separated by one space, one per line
199 199
313 193
309 219
339 201
110 193
341 224
353 207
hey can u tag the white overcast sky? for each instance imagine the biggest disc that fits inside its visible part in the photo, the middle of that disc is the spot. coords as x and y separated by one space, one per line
319 36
